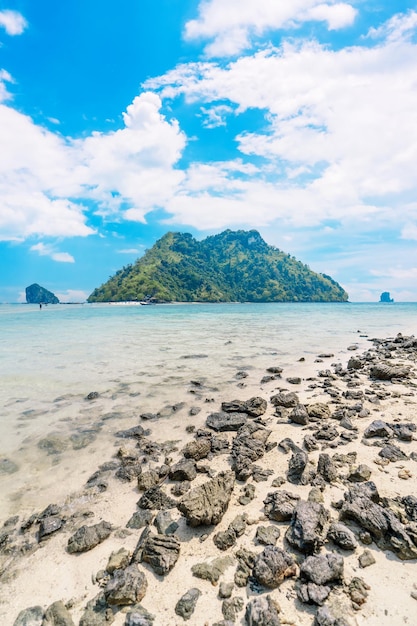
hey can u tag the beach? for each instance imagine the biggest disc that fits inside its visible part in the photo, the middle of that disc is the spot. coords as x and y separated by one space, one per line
308 422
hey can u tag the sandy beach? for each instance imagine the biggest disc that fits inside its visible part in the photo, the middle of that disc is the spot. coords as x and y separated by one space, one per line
339 438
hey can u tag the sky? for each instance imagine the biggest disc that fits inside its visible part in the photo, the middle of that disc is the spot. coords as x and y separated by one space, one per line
122 121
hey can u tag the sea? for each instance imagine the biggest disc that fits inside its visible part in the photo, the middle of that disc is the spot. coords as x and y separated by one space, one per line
73 376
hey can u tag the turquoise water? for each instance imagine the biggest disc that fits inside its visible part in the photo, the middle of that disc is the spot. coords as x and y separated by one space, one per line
143 359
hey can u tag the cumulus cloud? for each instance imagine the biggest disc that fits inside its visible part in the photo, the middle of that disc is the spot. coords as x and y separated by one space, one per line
48 250
13 22
46 180
231 24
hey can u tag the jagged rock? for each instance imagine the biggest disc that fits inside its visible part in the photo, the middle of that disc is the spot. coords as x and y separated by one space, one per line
366 559
318 411
410 505
296 466
248 446
197 449
88 537
360 474
118 560
310 443
267 535
246 561
139 616
325 617
327 432
287 400
161 552
299 415
355 363
127 586
227 538
309 526
185 606
260 474
136 432
327 468
164 523
342 536
224 422
225 590
310 593
35 294
213 570
378 428
140 518
256 406
280 505
248 494
32 616
322 569
231 607
206 505
262 611
183 470
97 612
358 592
384 371
272 566
392 453
147 480
156 498
49 525
57 615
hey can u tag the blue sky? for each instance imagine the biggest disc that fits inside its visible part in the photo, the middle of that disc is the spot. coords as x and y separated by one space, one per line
121 122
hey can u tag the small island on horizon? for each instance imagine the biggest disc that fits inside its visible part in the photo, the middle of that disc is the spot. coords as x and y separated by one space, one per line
386 297
232 266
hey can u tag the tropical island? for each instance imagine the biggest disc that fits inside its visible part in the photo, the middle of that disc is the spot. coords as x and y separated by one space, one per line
35 294
233 266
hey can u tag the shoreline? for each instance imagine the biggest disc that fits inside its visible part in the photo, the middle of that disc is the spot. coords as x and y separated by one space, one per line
41 573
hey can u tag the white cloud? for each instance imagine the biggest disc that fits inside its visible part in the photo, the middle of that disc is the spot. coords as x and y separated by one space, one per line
399 28
72 295
49 250
231 24
13 22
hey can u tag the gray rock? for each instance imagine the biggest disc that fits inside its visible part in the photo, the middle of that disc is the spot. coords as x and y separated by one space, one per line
366 559
272 566
342 536
378 428
118 560
225 590
49 525
161 552
148 479
267 535
296 466
156 498
127 586
325 617
183 470
360 474
299 415
88 537
392 453
384 371
318 411
97 612
32 616
246 562
248 446
224 422
227 538
287 400
57 615
248 494
262 611
323 568
139 617
309 526
280 505
212 570
310 593
197 449
327 468
206 505
185 606
164 523
231 607
140 519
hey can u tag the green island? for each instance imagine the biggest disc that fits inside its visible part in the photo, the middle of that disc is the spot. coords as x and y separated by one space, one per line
233 266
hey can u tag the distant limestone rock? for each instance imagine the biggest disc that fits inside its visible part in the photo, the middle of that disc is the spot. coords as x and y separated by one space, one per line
386 297
35 294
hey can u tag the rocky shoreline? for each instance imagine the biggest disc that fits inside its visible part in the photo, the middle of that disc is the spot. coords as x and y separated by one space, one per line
295 506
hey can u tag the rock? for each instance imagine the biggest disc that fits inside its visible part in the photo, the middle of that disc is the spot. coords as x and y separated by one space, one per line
231 607
378 428
183 470
325 617
309 526
197 449
57 615
213 570
147 480
140 519
127 586
161 552
318 411
296 466
49 525
299 415
294 380
225 590
206 505
246 563
139 617
97 612
88 537
248 446
360 474
322 569
248 494
327 468
223 422
35 294
32 616
267 535
385 371
7 466
256 406
165 524
280 505
272 566
227 538
156 498
392 453
118 560
342 536
262 611
185 606
310 593
366 559
358 592
287 400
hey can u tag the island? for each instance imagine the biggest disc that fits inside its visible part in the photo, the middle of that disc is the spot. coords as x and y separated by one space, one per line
35 294
386 297
233 266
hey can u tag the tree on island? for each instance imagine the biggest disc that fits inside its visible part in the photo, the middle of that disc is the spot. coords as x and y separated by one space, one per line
385 297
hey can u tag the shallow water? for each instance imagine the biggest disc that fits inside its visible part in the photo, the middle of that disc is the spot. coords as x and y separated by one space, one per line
144 359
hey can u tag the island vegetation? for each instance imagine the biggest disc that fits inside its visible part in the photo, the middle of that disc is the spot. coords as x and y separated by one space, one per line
233 266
